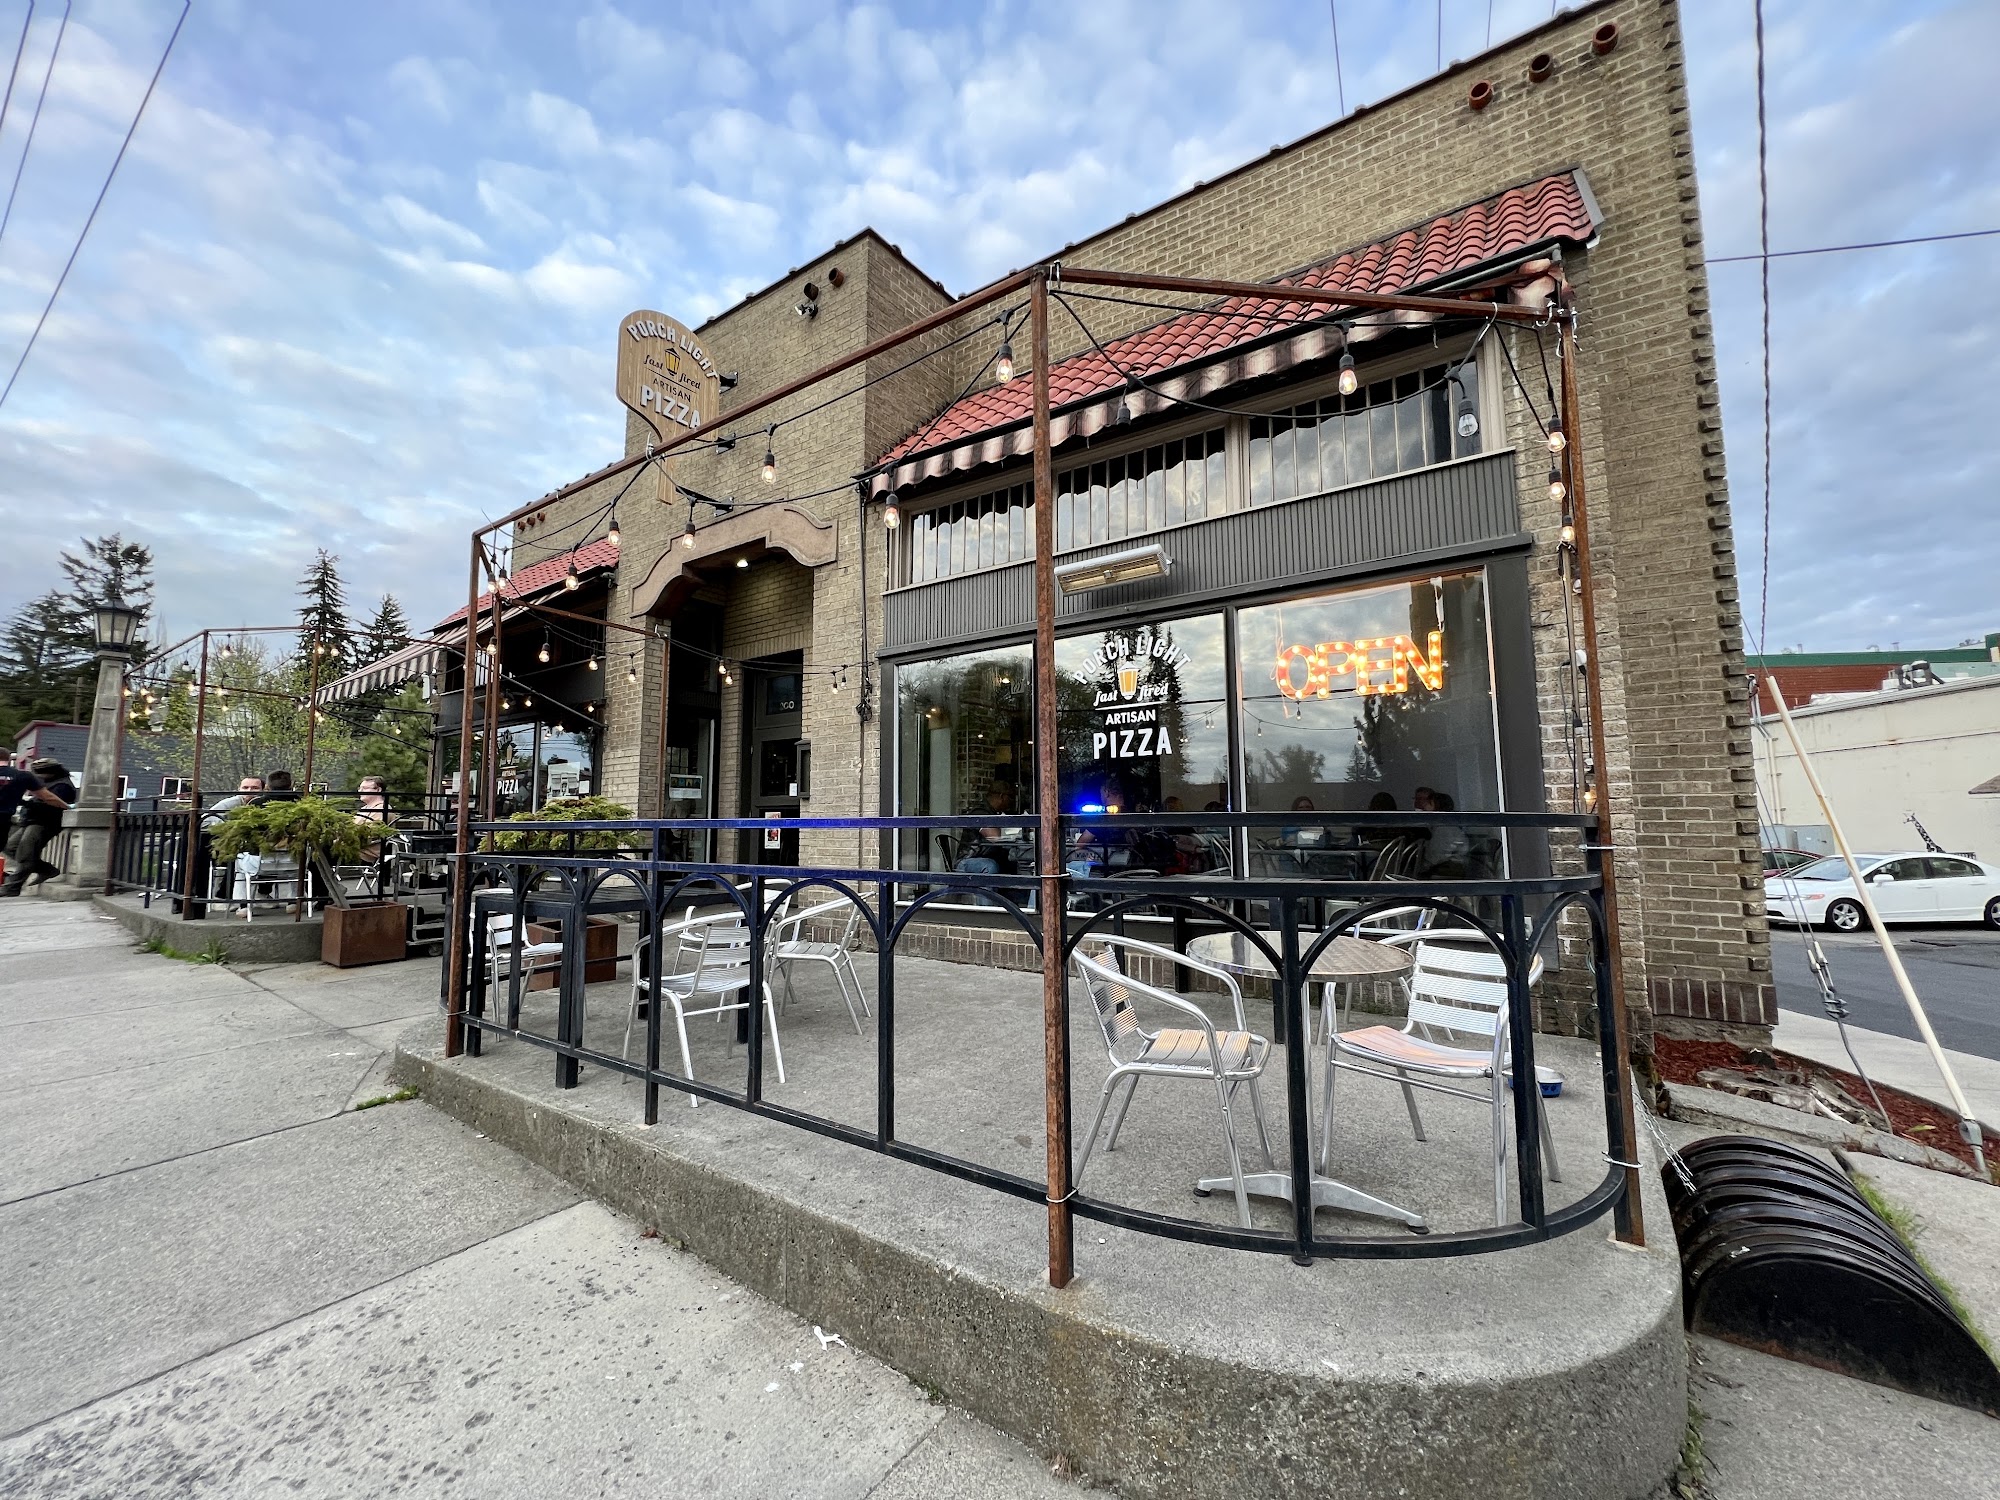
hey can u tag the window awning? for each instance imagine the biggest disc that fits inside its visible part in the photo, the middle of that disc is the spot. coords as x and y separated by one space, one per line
539 578
1513 236
392 671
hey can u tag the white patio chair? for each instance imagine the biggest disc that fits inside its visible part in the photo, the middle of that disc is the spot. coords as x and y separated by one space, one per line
1458 990
504 954
715 965
784 946
1227 1059
674 940
277 876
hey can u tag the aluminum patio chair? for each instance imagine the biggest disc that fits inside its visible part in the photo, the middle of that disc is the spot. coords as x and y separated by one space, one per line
1226 1059
1459 991
504 954
786 945
715 966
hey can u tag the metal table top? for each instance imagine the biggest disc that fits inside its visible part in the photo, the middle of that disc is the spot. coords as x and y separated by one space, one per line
1343 958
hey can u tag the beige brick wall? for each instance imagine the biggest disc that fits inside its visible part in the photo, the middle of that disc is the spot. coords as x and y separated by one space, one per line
1679 773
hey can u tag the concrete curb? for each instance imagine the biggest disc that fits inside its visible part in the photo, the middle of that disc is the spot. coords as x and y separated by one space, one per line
1128 1409
273 942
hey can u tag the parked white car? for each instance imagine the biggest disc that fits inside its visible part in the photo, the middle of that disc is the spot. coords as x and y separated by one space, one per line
1904 887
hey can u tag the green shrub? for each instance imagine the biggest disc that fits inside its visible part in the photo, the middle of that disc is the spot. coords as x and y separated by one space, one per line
289 827
567 810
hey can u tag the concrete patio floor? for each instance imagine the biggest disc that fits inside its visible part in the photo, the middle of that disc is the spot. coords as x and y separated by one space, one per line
1166 1367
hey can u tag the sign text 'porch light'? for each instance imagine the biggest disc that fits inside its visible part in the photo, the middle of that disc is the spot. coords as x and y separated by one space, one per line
665 375
1378 666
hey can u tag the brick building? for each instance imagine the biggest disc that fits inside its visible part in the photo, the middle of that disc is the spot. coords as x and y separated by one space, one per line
1286 513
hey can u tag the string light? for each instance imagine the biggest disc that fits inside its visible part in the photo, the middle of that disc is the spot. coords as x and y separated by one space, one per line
687 537
543 654
613 535
631 670
1123 416
742 562
1567 536
1004 365
892 514
770 456
593 661
570 580
1468 418
1557 489
1349 381
1556 438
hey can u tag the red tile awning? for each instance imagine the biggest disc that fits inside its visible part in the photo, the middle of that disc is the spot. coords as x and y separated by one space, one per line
1194 355
539 578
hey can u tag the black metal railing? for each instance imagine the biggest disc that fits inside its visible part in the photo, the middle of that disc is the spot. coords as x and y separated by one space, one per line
565 881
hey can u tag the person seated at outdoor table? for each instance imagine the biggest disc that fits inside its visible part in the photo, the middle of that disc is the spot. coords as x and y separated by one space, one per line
992 850
249 789
372 811
278 787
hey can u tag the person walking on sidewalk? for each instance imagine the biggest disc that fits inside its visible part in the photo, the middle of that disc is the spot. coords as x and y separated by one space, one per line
42 799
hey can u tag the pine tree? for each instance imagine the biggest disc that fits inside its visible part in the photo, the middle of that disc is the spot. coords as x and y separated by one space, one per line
323 619
109 568
45 664
387 633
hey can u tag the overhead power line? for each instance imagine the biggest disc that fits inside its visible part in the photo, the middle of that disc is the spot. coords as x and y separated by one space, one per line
1916 239
14 72
77 248
36 118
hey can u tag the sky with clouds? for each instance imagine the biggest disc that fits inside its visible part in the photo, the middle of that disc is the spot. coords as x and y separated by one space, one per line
356 282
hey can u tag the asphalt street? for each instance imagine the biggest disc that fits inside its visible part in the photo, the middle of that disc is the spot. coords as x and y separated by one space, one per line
227 1274
1954 969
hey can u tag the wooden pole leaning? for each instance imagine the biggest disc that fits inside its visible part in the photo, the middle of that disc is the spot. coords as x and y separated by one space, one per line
1630 1220
1055 992
1968 1122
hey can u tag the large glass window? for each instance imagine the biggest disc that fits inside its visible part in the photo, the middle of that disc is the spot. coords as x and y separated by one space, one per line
1168 484
1142 718
984 531
964 727
1372 699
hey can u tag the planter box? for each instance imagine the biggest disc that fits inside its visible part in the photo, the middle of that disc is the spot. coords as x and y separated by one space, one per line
600 951
355 935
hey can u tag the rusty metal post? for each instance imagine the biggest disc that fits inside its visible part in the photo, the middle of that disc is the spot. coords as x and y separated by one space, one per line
489 723
458 943
1055 993
312 712
1631 1217
194 805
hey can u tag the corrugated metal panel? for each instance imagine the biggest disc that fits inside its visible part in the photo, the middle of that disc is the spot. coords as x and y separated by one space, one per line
1466 506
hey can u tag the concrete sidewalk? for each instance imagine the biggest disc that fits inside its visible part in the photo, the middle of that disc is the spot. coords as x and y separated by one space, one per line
223 1279
1896 1061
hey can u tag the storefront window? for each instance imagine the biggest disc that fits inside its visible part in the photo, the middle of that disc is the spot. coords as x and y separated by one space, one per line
964 727
1142 712
537 762
1372 699
1382 429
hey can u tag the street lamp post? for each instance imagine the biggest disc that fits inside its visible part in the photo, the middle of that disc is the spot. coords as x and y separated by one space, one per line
90 821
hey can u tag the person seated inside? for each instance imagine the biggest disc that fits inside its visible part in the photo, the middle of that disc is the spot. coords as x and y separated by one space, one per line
1445 846
993 850
1096 849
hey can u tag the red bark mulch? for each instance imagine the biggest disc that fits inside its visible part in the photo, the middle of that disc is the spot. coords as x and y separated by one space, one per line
1679 1061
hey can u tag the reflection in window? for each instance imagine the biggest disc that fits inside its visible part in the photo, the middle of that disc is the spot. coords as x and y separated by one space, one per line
1372 699
963 735
1384 428
984 531
1141 713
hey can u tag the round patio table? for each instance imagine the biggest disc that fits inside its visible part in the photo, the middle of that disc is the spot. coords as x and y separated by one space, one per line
1344 959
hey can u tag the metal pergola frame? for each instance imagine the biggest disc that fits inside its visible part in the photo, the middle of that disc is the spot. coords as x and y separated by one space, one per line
1036 281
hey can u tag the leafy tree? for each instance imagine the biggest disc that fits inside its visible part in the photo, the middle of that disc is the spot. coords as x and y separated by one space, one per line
387 633
255 722
323 619
397 744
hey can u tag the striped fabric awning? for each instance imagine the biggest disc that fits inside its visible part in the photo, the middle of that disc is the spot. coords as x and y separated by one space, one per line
392 671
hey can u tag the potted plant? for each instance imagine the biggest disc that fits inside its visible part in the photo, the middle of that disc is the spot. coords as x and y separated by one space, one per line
290 828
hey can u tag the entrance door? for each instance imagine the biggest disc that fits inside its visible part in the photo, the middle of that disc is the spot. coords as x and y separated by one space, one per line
690 774
771 713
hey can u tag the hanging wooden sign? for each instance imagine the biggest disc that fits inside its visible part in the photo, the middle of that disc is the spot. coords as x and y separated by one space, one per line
665 375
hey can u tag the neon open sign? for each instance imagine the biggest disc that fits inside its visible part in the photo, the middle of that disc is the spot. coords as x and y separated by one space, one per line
1382 665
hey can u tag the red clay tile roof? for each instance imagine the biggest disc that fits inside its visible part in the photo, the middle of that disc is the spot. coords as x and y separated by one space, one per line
1552 208
545 574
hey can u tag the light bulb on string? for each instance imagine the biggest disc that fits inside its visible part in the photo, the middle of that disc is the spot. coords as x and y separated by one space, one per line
1590 798
892 514
1557 489
1557 440
770 470
1004 365
687 537
593 661
543 655
570 580
631 671
1123 416
1350 382
1468 415
1567 536
612 534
